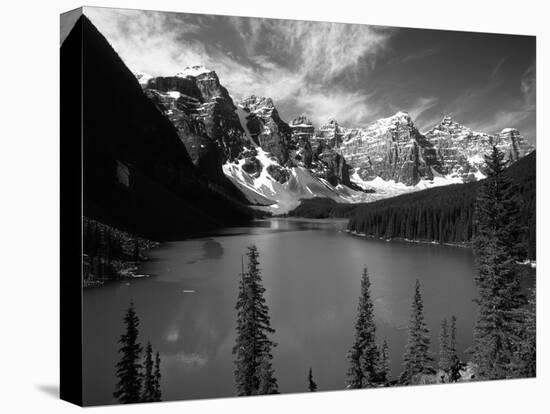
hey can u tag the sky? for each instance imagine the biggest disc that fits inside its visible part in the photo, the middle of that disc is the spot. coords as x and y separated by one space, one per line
353 73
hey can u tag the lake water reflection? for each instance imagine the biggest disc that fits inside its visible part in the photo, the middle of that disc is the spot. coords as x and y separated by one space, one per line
311 270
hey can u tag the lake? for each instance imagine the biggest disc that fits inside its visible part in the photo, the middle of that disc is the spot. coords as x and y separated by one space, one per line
311 271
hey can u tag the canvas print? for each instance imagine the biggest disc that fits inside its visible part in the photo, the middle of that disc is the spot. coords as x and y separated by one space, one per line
268 206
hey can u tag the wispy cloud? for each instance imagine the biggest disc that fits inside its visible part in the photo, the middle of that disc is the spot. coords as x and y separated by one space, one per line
294 62
417 55
353 73
517 111
348 108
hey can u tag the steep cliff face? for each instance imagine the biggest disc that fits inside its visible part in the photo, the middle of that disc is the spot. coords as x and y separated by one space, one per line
460 150
330 134
203 113
513 144
302 131
266 127
390 148
316 150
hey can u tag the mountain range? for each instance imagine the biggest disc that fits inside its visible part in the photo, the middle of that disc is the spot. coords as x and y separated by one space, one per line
175 155
275 164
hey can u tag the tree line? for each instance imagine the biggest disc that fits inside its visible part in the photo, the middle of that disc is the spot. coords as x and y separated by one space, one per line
441 214
109 252
447 214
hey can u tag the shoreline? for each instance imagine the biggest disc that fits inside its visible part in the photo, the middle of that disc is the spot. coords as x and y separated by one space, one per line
402 239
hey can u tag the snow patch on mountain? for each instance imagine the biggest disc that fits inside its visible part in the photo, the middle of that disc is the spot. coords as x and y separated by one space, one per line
193 71
278 198
390 188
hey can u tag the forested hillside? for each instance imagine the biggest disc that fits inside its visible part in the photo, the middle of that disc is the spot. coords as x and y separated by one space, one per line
442 214
445 214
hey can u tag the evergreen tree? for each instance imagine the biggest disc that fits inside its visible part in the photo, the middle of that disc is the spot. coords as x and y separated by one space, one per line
148 392
254 373
266 374
496 247
444 347
526 355
128 372
384 371
363 356
417 358
157 394
312 386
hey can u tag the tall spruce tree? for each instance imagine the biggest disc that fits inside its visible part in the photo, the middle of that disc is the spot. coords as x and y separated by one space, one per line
311 385
253 348
363 356
157 394
497 247
444 347
417 359
384 371
128 369
148 392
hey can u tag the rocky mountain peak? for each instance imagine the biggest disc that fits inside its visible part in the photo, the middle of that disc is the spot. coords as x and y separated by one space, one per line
261 106
329 134
449 125
513 142
399 119
266 127
195 71
301 120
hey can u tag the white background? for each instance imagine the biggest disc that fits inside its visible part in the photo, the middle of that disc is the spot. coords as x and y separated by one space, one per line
29 206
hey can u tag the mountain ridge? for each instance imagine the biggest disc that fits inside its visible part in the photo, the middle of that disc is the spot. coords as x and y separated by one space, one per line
387 157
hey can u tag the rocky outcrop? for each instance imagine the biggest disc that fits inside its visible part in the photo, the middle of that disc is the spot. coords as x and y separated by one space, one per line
279 174
460 150
390 148
266 127
513 144
302 132
204 115
332 167
330 134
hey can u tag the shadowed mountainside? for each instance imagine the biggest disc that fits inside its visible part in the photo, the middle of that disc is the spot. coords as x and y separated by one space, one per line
137 174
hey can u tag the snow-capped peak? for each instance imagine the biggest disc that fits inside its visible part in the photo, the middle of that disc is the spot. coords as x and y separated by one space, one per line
193 71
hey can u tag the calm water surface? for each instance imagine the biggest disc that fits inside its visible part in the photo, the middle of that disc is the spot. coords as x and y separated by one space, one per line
311 271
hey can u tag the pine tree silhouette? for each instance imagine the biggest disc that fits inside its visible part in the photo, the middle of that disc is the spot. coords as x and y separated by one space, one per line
312 386
496 247
254 372
384 371
417 357
157 394
148 393
363 356
128 369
